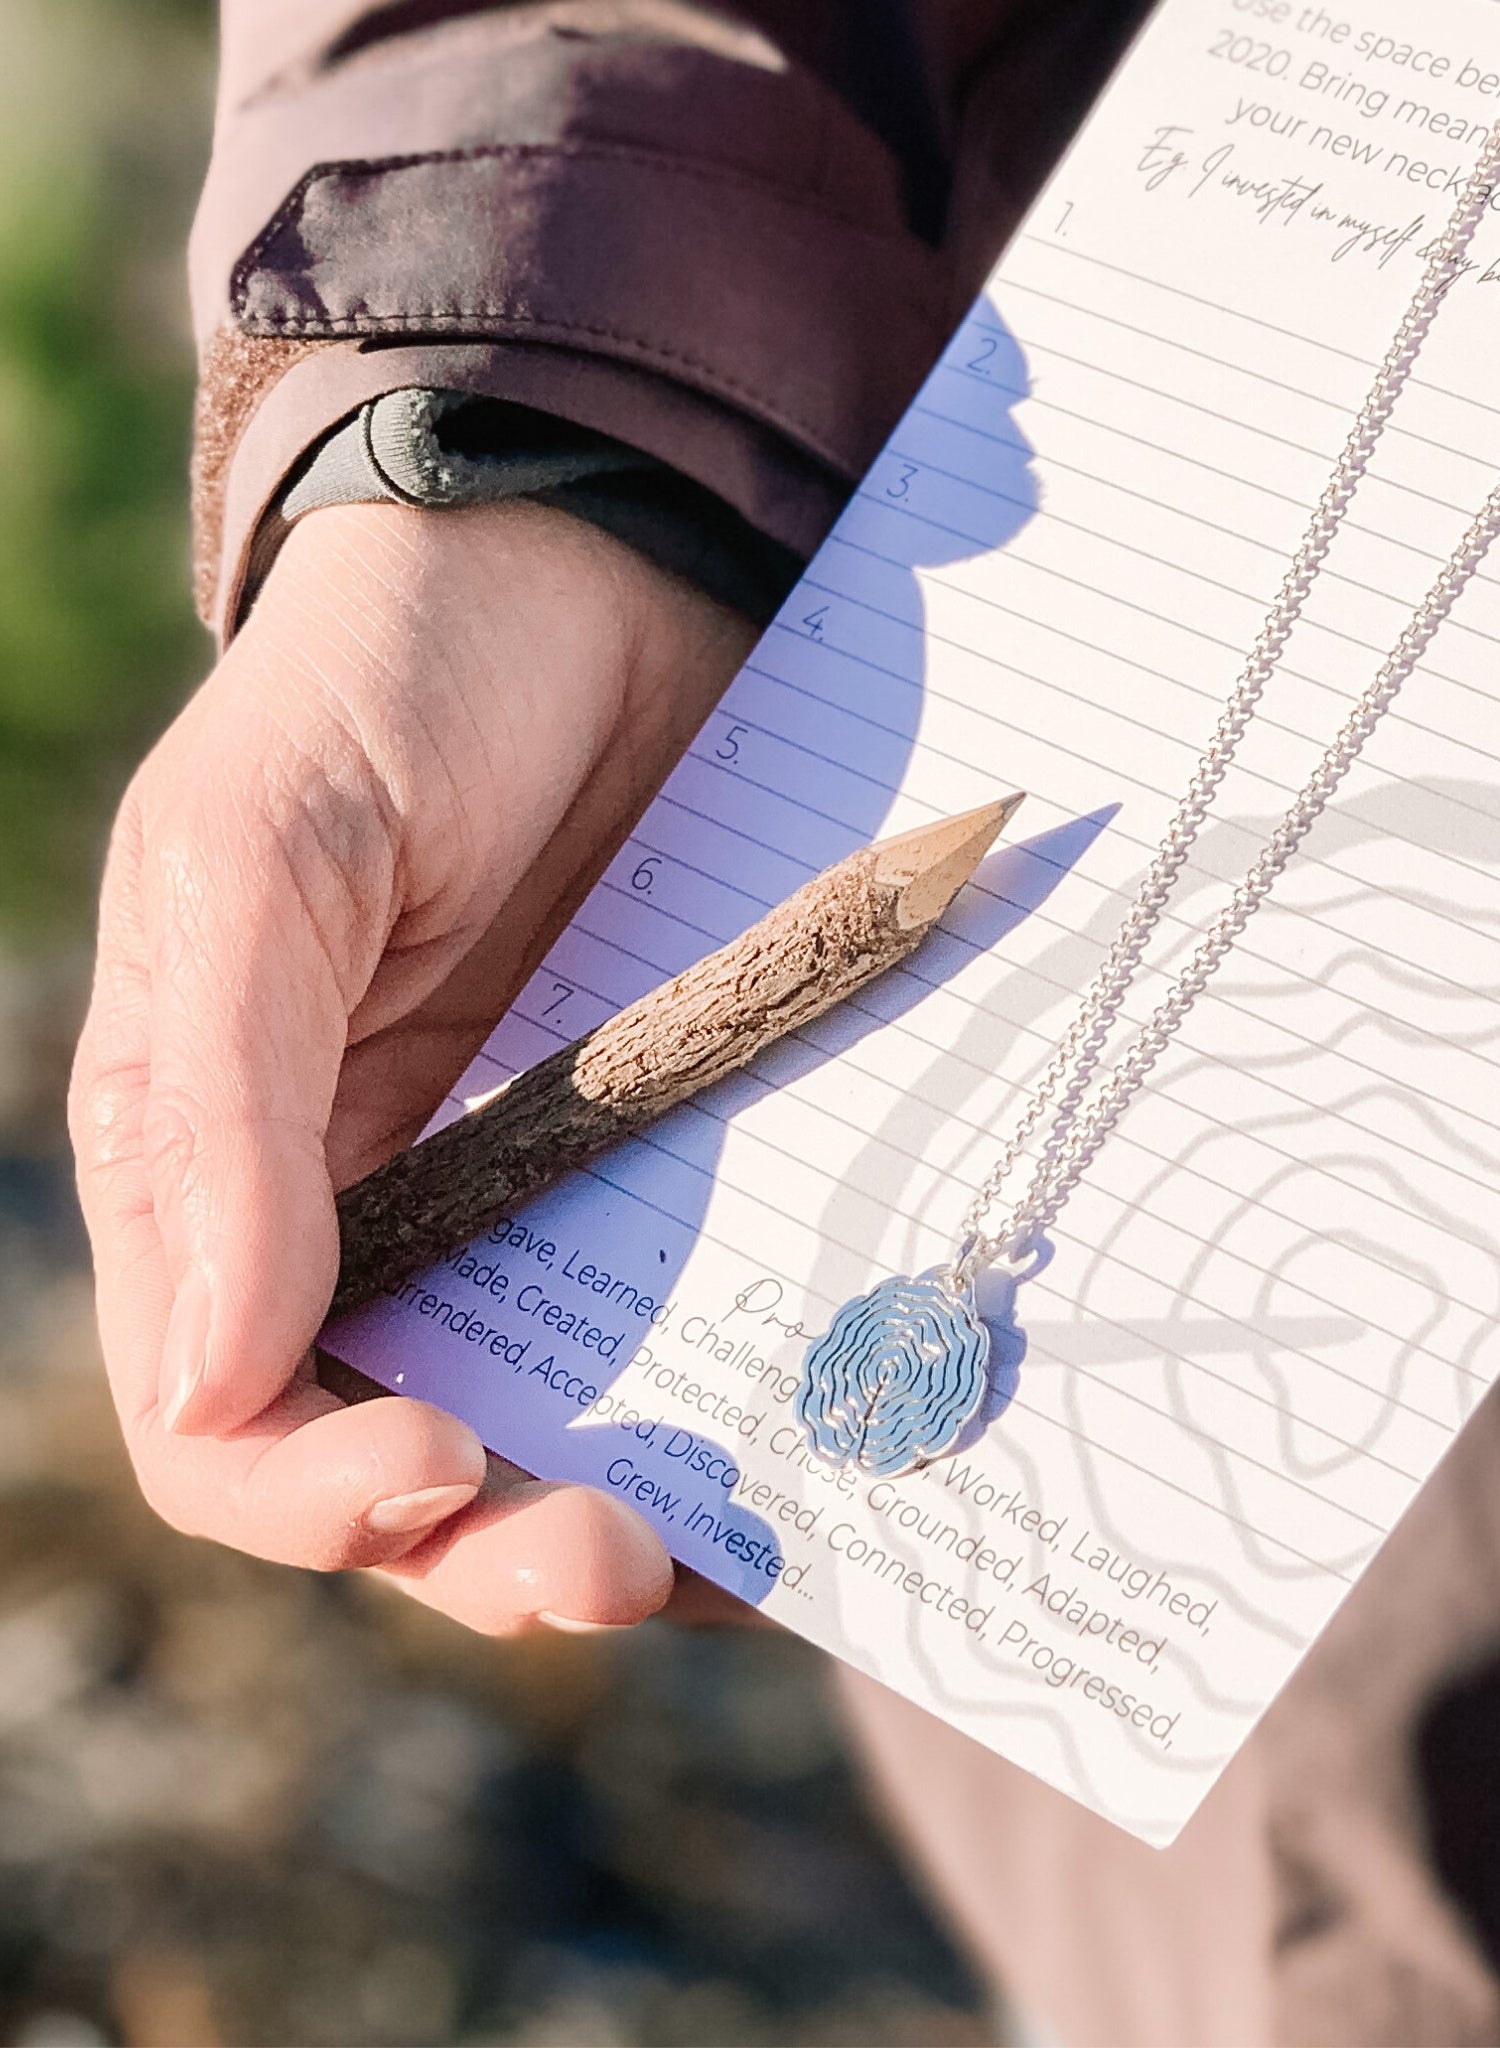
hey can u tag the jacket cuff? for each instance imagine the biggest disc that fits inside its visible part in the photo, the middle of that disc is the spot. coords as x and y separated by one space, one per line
681 268
749 305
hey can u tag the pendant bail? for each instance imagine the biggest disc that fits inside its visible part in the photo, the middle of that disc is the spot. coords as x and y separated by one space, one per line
959 1275
1018 1258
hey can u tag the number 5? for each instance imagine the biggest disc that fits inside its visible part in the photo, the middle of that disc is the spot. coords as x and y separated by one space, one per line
728 748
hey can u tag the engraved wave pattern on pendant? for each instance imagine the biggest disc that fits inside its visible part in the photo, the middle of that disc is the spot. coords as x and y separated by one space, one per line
894 1378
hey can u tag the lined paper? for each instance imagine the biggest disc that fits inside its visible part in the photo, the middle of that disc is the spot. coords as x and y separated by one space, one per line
1273 1299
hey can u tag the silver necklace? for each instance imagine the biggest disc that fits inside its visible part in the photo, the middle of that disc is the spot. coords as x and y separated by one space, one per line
902 1371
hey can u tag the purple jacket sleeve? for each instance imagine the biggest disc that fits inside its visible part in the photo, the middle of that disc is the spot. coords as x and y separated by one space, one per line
735 239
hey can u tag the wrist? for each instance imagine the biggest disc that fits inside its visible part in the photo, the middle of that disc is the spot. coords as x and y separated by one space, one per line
496 598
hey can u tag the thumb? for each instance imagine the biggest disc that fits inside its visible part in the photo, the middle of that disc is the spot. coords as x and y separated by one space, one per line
253 940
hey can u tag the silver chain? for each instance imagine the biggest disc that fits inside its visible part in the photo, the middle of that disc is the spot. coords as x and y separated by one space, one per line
1074 1133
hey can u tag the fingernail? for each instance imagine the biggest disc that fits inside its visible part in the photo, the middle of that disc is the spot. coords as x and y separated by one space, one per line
570 1627
404 1513
185 1352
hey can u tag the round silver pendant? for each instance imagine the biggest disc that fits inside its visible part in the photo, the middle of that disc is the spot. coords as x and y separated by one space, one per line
895 1377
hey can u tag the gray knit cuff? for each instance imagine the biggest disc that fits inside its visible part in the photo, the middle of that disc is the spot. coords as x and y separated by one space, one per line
395 450
440 449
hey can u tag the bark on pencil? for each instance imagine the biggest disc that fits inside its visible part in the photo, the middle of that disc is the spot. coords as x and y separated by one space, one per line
838 932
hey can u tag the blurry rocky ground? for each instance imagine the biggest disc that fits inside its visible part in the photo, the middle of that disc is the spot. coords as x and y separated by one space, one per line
239 1804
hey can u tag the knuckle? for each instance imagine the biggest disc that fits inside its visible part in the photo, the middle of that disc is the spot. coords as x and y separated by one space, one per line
172 1143
179 860
290 859
105 1098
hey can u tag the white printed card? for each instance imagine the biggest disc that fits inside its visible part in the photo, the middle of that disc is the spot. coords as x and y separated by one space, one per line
1273 1298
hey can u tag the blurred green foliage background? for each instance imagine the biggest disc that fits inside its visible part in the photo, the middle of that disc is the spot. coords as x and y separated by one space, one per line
103 112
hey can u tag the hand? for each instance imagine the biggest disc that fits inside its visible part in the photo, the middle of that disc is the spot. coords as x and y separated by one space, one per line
324 887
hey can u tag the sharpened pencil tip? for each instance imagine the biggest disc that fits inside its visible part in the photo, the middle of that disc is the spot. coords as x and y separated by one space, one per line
931 863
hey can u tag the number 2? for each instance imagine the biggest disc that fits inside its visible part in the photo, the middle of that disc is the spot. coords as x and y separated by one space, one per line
979 361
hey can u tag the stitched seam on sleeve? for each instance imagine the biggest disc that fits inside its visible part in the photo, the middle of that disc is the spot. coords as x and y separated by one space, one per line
600 152
466 321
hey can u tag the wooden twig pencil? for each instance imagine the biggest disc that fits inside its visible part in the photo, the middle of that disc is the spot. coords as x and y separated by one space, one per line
836 933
